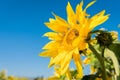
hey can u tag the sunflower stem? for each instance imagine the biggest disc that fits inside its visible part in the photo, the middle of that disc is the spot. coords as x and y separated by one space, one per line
101 60
103 50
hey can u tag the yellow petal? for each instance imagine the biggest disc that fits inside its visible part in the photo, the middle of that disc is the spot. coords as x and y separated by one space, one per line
71 15
98 14
53 45
101 13
44 54
79 13
78 63
79 42
66 61
60 20
79 68
79 8
59 57
48 54
57 71
68 74
92 70
51 20
97 21
57 25
53 36
76 41
86 61
90 4
50 64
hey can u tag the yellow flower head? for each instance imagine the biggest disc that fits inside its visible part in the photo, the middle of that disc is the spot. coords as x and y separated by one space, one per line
69 37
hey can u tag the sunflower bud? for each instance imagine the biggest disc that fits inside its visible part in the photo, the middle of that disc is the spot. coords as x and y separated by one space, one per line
104 38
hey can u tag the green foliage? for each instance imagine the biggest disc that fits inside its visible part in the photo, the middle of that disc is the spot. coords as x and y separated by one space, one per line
115 47
74 73
62 77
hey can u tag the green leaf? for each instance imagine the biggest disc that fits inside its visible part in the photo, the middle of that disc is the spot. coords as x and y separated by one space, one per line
100 59
115 47
111 54
118 77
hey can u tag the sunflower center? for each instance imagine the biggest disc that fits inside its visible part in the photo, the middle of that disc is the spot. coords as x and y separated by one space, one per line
72 34
77 22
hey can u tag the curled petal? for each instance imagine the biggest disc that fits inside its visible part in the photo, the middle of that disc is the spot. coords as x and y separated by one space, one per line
90 4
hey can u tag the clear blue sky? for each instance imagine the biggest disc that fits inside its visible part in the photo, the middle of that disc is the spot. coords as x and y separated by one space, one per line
21 30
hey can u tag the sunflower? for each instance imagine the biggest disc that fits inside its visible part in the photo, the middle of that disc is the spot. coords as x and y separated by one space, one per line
69 37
